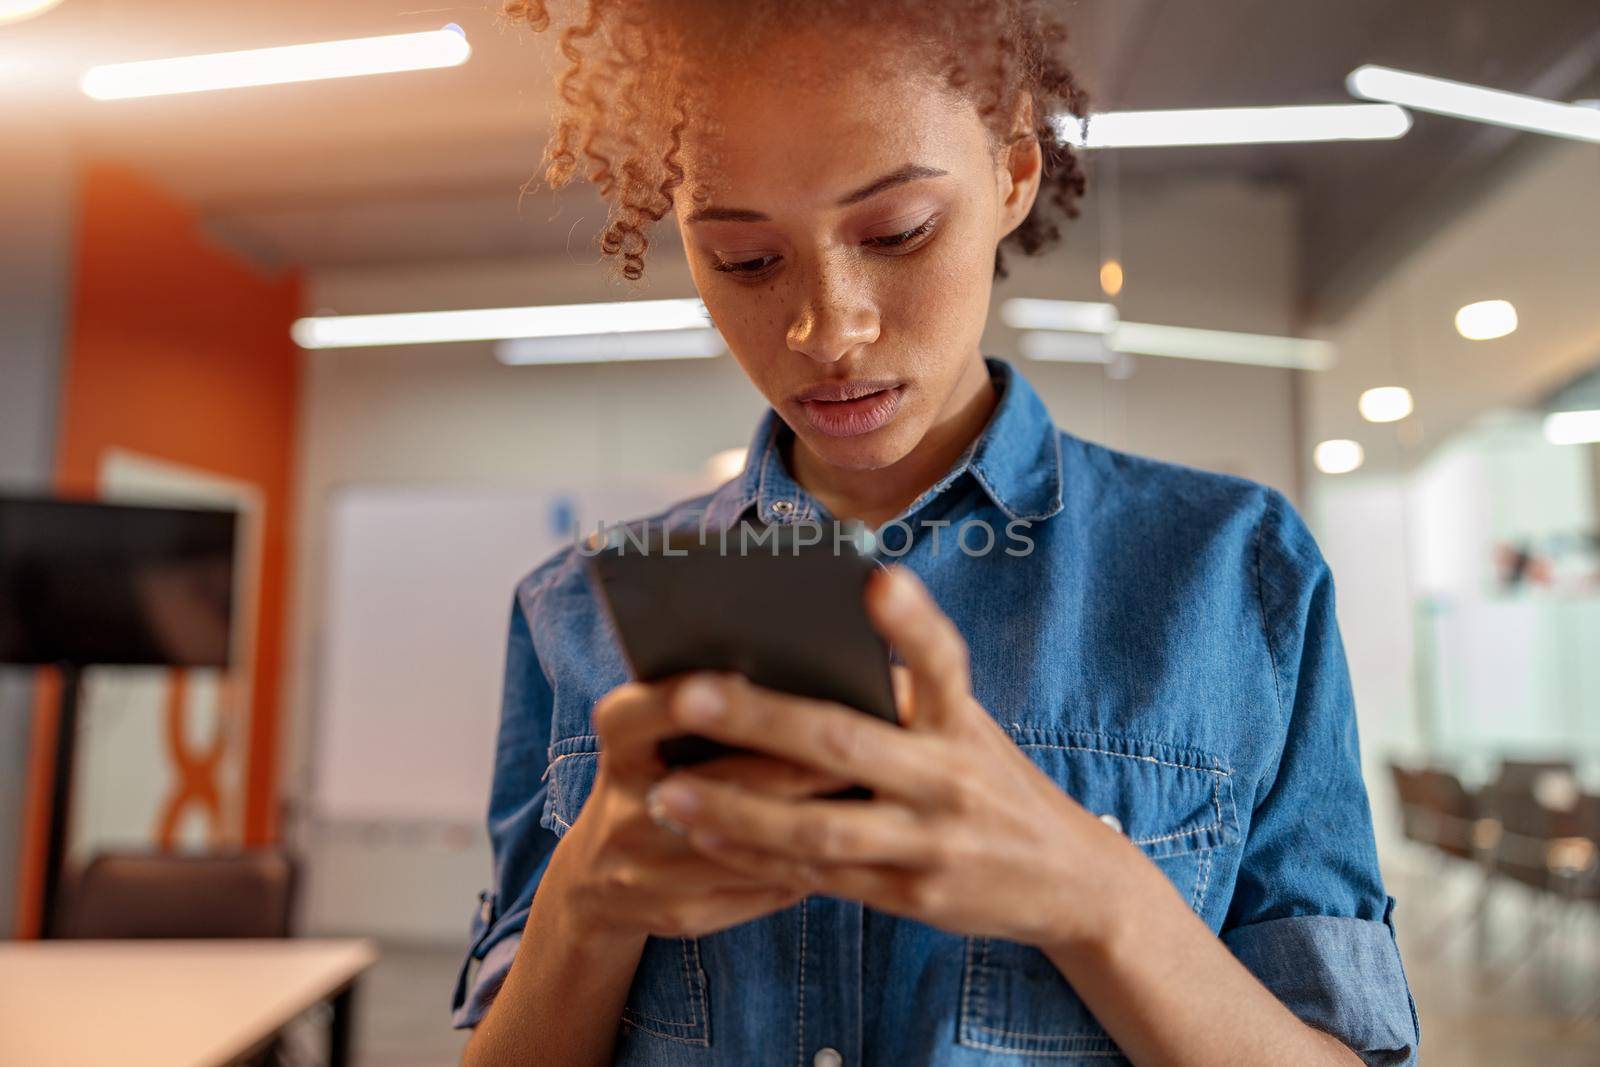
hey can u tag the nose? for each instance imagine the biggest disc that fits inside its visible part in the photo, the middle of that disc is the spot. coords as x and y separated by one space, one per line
836 317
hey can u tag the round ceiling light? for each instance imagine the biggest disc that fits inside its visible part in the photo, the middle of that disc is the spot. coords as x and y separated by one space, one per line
1486 320
1387 403
1111 277
1339 456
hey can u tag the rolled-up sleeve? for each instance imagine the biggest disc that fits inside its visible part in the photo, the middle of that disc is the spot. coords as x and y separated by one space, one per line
1340 975
521 844
1310 917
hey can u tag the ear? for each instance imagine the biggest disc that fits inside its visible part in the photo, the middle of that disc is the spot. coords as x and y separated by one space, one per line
1021 168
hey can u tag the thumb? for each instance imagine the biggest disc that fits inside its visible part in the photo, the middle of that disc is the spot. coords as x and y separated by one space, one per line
935 654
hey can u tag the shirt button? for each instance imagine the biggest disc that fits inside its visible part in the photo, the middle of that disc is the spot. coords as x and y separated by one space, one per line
783 507
1112 821
827 1057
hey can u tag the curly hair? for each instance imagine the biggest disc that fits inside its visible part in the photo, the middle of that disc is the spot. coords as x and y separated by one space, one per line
628 92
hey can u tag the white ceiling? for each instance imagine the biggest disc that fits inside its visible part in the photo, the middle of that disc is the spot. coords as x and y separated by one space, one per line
427 165
419 164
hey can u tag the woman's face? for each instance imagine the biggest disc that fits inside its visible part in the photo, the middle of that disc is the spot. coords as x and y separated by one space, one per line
846 250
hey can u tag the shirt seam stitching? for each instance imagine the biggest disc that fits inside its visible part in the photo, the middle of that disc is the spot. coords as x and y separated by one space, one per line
1261 604
1219 772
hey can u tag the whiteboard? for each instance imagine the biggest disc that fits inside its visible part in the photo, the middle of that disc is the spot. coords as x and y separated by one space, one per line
418 593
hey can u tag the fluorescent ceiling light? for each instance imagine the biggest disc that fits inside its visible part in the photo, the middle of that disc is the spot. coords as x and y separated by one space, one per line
1387 403
1237 125
1339 456
1221 346
1072 331
497 324
1475 102
610 347
17 10
1024 313
1065 346
273 66
1486 320
1572 428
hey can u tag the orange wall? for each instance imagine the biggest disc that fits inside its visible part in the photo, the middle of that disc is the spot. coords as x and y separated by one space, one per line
179 350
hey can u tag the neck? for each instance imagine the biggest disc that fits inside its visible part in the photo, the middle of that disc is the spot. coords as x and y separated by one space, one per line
876 496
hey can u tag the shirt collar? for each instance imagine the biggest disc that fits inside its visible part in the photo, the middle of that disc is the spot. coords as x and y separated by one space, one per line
1016 460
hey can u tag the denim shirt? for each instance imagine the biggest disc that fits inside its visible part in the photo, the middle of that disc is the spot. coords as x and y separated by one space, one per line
1166 652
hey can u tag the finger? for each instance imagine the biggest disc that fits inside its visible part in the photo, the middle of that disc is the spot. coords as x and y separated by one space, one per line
934 651
686 873
815 831
714 912
630 721
882 887
900 679
757 864
826 737
774 777
758 774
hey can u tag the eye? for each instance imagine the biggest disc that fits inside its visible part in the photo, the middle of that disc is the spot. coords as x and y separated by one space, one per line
745 267
899 244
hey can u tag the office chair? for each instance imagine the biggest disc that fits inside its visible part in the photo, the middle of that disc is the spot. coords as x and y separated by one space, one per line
209 895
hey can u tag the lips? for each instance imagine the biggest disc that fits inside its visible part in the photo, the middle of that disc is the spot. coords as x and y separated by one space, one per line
850 408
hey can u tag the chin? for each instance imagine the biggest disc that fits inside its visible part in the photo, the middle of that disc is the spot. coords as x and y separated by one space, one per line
881 448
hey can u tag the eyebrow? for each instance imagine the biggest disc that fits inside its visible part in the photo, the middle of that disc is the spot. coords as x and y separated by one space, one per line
909 173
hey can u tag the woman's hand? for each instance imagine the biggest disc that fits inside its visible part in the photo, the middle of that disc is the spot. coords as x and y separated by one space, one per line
963 831
620 872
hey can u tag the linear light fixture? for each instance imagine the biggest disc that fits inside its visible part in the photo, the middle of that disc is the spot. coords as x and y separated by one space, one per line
1236 125
499 324
17 10
1177 342
1465 101
1221 346
1027 313
610 347
1075 331
1572 427
1065 346
274 66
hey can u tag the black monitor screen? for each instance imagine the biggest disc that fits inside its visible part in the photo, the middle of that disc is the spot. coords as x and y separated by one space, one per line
89 583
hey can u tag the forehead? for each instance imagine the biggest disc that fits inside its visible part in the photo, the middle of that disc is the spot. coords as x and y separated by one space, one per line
811 117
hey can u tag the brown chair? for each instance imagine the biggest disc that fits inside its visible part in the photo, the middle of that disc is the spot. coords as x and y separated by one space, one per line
1437 810
1524 773
1531 826
211 895
1579 856
1416 822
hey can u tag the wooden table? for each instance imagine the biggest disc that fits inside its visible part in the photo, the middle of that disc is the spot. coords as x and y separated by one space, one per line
168 1003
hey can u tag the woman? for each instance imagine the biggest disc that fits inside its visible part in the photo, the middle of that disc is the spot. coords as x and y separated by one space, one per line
1124 820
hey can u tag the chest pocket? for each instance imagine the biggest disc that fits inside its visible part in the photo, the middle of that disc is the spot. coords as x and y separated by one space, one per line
668 995
1176 804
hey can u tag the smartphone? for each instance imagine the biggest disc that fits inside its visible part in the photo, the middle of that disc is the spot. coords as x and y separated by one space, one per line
781 605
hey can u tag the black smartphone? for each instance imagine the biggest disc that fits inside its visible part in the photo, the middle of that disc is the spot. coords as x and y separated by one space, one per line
781 605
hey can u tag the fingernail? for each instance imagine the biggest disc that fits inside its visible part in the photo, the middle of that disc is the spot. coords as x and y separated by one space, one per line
709 842
658 811
902 597
700 701
676 799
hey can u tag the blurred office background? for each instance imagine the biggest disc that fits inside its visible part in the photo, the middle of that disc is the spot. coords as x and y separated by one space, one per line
155 252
